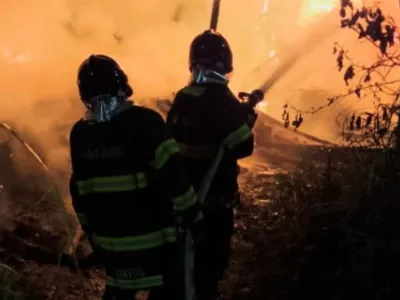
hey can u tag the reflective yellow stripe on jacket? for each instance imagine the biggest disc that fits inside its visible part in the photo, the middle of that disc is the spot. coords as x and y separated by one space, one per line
185 201
135 284
238 136
164 152
137 243
122 183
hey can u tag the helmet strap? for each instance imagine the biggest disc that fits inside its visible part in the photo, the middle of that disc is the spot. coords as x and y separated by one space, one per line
103 108
202 75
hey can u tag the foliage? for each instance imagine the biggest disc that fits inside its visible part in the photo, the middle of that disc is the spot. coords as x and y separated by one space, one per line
379 127
320 232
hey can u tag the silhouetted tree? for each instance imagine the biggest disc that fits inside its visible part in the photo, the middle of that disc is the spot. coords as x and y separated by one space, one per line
380 126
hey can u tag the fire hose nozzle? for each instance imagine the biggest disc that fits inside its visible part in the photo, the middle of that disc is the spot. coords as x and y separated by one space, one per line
252 98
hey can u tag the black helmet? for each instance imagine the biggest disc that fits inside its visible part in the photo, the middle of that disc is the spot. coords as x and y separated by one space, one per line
210 49
100 75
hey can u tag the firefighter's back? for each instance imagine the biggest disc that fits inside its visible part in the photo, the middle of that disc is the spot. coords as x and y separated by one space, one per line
132 224
201 119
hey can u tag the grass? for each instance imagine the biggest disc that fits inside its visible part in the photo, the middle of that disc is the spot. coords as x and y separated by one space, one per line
14 287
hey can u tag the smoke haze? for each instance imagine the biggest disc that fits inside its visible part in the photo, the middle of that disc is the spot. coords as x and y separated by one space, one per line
43 42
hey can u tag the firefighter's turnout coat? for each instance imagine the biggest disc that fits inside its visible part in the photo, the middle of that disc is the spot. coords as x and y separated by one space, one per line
202 117
127 187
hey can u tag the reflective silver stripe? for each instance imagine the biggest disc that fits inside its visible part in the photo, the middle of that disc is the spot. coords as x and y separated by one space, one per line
199 217
134 284
112 184
136 243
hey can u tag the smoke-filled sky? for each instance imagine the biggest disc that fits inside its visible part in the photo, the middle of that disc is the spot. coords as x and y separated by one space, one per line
42 43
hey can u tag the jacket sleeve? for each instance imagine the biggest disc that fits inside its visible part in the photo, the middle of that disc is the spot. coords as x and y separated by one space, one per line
170 175
77 203
239 140
170 120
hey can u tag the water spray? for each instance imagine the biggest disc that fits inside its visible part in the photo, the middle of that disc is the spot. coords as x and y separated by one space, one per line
300 48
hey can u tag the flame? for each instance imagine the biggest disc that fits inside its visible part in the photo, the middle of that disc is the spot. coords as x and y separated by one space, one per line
320 6
315 8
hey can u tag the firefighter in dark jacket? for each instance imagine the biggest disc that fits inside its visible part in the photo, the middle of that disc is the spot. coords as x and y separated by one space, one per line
127 185
204 115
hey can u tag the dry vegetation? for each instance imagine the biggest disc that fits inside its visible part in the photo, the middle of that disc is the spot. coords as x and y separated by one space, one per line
327 231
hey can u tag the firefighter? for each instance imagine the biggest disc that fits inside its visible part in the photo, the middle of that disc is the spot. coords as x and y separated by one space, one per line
127 185
204 115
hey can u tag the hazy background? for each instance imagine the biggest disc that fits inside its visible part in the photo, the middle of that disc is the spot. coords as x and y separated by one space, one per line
42 43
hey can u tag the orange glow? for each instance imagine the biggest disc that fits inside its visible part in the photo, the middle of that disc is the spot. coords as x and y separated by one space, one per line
315 8
43 42
321 6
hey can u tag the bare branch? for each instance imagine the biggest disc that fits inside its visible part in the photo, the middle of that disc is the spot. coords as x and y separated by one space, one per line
372 80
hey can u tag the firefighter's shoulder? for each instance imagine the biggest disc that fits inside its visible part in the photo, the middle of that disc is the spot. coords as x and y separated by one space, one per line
229 96
75 130
193 90
209 91
223 97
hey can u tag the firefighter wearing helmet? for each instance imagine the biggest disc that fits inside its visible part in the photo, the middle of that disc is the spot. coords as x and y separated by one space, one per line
204 115
128 185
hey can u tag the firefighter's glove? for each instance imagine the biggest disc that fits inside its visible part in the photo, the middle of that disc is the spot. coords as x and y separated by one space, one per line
250 114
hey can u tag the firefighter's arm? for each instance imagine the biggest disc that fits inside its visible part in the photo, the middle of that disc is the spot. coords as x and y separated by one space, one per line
239 141
170 115
78 204
171 176
174 110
